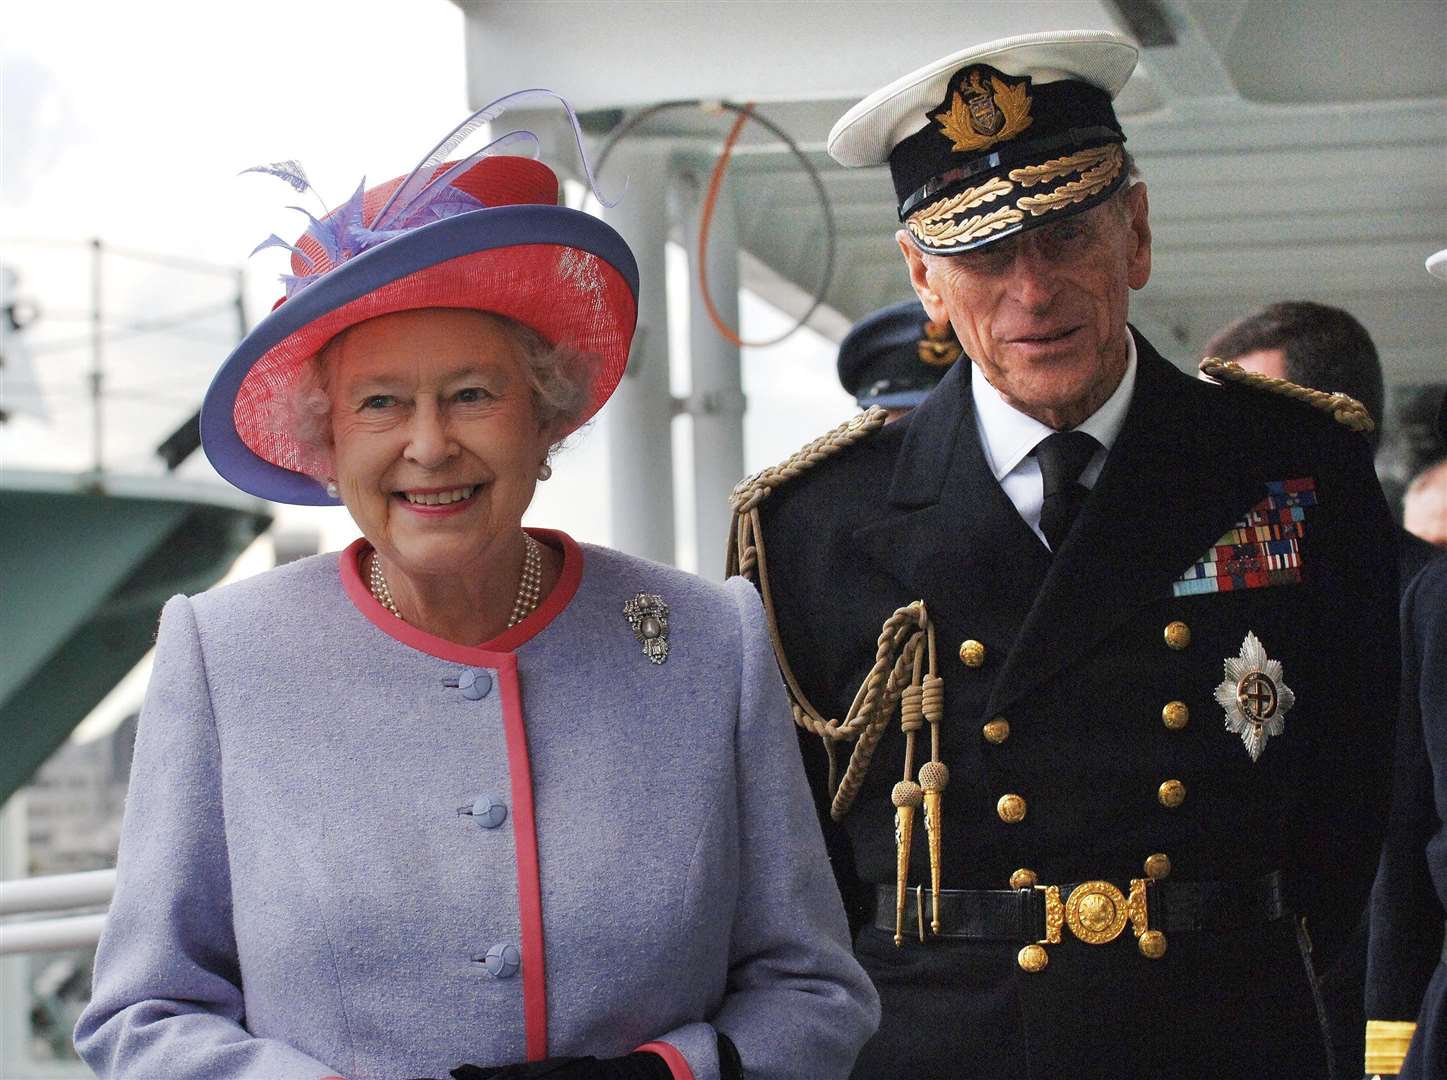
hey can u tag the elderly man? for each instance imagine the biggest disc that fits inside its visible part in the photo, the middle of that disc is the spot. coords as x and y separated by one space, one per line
1080 851
1406 1031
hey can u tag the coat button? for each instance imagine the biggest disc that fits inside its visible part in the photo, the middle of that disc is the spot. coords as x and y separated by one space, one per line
1023 879
972 653
487 810
1172 793
1175 715
996 731
475 683
1033 958
1152 944
1011 809
502 961
1178 635
1158 866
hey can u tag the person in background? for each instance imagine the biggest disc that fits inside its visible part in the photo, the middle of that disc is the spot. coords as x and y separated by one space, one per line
893 358
1424 507
1406 983
1407 959
467 798
1406 1004
1077 851
1325 348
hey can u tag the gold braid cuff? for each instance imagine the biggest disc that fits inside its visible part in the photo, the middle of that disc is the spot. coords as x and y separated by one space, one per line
1343 408
1387 1043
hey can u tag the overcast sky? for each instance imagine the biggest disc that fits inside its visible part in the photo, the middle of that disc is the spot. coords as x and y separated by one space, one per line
130 122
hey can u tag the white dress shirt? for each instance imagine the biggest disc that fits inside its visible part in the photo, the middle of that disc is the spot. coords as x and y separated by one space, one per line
1007 436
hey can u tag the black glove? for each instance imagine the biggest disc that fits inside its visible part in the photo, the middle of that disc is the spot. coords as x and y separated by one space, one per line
635 1066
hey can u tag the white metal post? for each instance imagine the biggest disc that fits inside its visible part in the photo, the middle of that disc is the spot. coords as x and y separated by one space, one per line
716 402
640 450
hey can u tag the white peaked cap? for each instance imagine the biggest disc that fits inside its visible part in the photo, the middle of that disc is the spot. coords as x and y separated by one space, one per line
867 133
1437 264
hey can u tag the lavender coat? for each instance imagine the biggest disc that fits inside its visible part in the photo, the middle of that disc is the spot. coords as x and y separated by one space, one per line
301 894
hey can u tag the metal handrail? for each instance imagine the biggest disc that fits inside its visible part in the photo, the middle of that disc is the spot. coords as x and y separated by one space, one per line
51 935
54 894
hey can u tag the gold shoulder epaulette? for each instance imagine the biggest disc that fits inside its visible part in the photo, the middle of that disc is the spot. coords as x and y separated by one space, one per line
752 490
1344 408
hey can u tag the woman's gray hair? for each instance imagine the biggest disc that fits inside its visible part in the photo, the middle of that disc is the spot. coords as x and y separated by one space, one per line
560 377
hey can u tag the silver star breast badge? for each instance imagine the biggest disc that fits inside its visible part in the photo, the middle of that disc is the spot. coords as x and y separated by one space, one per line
1254 696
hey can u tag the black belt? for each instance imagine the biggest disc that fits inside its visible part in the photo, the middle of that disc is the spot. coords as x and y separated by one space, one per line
1019 914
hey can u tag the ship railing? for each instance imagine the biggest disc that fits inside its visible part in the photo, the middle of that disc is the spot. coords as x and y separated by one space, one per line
40 914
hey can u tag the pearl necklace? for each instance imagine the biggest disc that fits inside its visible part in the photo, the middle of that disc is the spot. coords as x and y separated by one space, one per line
530 584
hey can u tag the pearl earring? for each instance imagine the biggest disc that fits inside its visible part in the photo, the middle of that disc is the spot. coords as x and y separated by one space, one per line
333 492
545 472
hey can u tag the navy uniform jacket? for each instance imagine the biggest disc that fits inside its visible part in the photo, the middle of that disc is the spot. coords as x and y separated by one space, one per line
1406 982
1077 663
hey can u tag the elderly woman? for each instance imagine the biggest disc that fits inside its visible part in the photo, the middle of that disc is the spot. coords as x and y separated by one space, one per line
466 795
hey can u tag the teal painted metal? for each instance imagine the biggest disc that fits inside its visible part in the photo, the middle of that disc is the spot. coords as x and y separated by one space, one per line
84 578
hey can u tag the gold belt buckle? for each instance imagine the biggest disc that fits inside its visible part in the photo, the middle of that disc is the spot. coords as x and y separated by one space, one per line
1096 912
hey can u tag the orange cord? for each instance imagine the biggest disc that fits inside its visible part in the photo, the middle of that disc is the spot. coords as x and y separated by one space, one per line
705 219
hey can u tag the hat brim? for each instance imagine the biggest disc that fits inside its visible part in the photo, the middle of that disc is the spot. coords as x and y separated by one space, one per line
898 399
1437 264
564 273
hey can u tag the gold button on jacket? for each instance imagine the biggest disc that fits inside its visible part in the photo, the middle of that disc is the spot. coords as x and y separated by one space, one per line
1172 794
1175 715
1011 809
972 653
1152 944
1033 958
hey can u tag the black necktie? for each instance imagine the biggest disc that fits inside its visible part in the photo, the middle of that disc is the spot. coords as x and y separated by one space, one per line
1063 457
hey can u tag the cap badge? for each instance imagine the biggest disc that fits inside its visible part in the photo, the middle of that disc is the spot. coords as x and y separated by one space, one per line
977 116
647 614
1254 696
938 347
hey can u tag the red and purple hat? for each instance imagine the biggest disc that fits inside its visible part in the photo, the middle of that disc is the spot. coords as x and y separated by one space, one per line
484 233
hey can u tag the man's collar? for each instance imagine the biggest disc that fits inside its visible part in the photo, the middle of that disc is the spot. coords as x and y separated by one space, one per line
1007 435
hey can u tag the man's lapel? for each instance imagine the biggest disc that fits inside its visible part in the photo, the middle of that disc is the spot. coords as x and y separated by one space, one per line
948 533
1163 498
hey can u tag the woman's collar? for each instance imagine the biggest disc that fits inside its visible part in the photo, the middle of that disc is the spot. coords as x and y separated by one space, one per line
510 639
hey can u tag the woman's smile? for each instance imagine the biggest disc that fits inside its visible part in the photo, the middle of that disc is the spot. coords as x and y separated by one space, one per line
434 502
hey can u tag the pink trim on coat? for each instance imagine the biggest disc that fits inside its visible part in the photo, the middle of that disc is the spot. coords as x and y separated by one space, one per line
497 654
676 1062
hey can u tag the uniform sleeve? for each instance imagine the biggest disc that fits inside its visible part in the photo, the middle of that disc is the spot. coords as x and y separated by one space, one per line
798 1005
1406 913
167 998
1342 816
